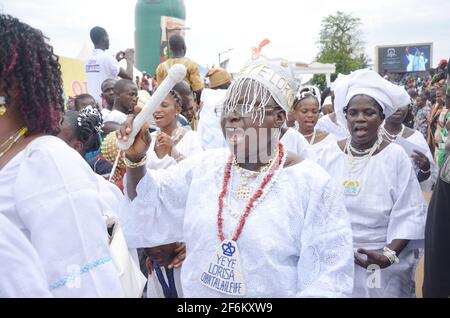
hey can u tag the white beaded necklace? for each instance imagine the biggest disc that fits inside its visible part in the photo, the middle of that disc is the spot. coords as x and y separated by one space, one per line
364 159
392 137
313 134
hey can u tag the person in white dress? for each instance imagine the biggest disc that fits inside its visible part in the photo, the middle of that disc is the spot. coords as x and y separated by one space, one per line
20 261
265 224
46 189
424 166
170 145
307 110
382 194
81 131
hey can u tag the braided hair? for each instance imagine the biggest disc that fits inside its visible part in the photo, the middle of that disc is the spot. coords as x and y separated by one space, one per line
86 126
27 62
177 97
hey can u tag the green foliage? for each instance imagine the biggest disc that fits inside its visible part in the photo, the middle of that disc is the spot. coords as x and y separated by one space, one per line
340 43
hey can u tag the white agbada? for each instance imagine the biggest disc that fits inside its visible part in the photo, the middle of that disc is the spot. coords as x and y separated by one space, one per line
296 143
296 243
389 206
50 193
418 139
209 123
21 272
327 125
189 145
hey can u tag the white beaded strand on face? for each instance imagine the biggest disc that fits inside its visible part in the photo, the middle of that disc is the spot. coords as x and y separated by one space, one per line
255 98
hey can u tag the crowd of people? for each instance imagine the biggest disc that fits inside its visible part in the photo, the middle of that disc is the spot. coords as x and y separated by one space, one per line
251 186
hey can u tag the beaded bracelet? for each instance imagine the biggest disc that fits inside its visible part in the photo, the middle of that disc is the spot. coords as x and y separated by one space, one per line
425 172
391 255
132 165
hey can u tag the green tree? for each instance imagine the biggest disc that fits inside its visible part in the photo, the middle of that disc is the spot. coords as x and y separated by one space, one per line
340 43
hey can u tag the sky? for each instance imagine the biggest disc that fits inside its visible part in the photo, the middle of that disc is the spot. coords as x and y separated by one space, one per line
216 26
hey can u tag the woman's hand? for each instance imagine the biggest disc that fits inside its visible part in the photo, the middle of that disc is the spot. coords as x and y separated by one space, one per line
373 258
421 160
163 145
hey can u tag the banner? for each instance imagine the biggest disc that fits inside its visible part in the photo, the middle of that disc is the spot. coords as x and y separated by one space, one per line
73 75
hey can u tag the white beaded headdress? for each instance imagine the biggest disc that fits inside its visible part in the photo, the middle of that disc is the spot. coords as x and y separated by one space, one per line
259 81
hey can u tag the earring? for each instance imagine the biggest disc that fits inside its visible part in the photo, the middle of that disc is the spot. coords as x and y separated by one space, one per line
2 105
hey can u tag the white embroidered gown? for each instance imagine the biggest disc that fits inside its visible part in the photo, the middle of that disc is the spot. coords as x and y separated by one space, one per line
296 243
50 193
19 262
389 206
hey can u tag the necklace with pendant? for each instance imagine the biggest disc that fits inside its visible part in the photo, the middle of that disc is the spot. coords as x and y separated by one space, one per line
244 191
224 273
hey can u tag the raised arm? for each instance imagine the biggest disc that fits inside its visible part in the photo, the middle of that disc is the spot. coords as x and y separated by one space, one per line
128 72
135 156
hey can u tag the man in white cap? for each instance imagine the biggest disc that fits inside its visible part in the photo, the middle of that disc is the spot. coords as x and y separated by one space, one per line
381 191
257 220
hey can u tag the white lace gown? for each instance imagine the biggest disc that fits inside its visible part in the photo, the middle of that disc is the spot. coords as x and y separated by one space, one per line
327 125
50 193
19 262
296 243
418 139
389 206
